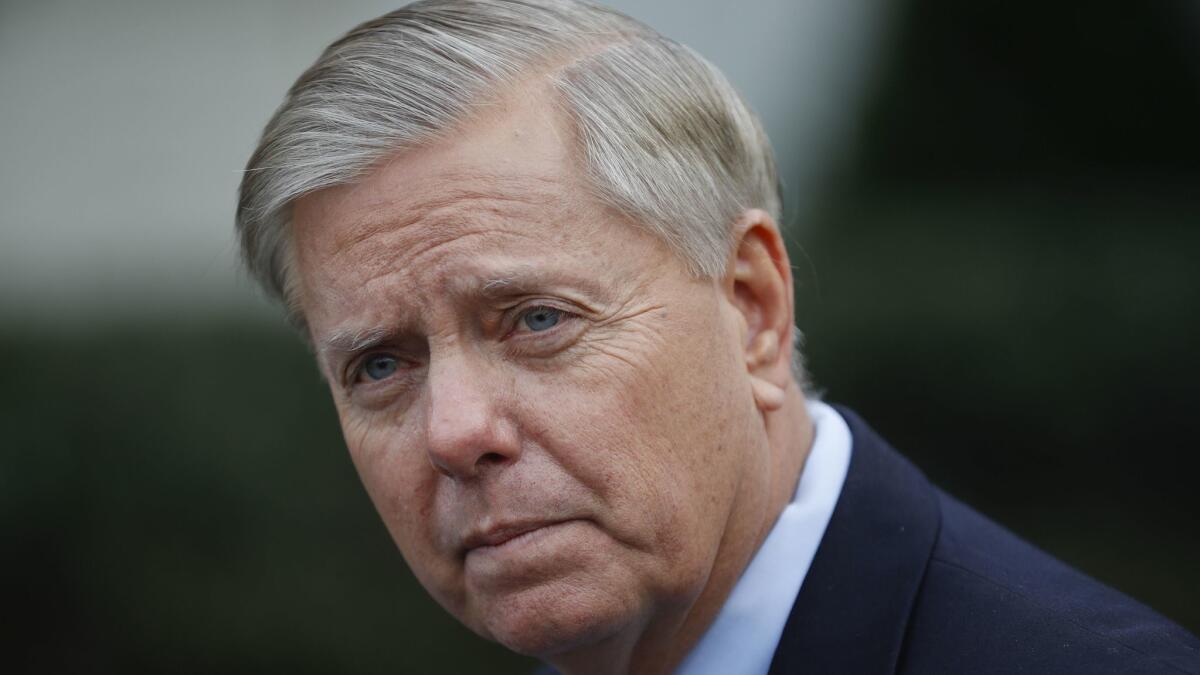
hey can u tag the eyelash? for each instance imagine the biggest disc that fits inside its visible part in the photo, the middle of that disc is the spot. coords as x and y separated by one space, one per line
357 371
525 311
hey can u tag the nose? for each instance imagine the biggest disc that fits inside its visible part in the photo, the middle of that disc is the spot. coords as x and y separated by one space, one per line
467 430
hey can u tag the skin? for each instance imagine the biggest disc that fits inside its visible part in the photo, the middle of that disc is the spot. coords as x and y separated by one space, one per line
576 444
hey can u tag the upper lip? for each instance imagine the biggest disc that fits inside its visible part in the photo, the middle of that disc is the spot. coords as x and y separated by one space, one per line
494 535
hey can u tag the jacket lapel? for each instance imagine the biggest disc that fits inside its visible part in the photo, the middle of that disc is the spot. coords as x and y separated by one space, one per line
852 610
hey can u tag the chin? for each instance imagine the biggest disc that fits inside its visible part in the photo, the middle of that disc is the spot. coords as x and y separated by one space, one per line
556 618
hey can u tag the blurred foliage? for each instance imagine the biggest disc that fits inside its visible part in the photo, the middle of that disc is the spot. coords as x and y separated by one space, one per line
177 498
1002 281
1036 94
1048 379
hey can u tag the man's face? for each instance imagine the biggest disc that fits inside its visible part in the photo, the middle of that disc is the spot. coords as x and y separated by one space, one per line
550 414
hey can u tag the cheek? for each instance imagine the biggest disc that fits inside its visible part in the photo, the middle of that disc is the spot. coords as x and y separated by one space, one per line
401 484
651 427
378 448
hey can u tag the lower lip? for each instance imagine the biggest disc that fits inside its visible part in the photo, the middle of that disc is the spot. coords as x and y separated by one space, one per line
524 543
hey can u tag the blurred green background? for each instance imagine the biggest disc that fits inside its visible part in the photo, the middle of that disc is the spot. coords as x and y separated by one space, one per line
998 272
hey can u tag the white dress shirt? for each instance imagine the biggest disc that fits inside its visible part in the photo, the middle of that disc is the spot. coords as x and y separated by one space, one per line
743 638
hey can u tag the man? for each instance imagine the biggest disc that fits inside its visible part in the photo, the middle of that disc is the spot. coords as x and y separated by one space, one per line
535 248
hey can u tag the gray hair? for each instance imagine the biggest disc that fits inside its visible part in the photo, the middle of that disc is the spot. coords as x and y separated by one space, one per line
663 136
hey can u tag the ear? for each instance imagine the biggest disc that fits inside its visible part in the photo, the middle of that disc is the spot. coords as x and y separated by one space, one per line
758 283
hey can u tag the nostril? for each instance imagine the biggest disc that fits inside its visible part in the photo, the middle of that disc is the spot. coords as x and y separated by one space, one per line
490 458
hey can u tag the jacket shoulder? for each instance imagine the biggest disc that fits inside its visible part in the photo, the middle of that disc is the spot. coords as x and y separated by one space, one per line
991 603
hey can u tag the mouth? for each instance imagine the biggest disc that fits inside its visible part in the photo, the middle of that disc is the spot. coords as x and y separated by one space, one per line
508 534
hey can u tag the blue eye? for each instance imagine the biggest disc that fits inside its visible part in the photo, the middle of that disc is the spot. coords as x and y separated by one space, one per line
380 366
541 318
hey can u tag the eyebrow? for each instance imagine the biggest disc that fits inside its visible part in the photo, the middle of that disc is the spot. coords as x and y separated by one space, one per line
528 278
518 281
516 284
352 341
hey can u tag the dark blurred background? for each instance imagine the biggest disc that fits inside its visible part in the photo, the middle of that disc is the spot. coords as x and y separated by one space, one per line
994 217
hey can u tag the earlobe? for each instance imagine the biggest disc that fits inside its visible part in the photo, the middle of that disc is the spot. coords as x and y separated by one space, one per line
764 348
767 395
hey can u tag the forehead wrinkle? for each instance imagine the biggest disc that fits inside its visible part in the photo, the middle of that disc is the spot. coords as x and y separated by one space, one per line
458 189
457 222
467 183
378 238
447 278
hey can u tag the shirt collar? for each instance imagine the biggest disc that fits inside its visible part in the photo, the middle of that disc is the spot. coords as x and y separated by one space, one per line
742 639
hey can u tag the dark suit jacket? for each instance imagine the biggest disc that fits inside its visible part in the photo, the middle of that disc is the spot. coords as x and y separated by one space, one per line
909 580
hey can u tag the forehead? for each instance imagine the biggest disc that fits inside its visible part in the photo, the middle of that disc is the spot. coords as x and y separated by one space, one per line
504 191
514 156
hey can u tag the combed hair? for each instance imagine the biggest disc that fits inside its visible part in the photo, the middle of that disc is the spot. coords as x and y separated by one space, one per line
663 136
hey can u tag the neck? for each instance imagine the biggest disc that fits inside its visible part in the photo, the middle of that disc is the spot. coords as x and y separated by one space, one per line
658 646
